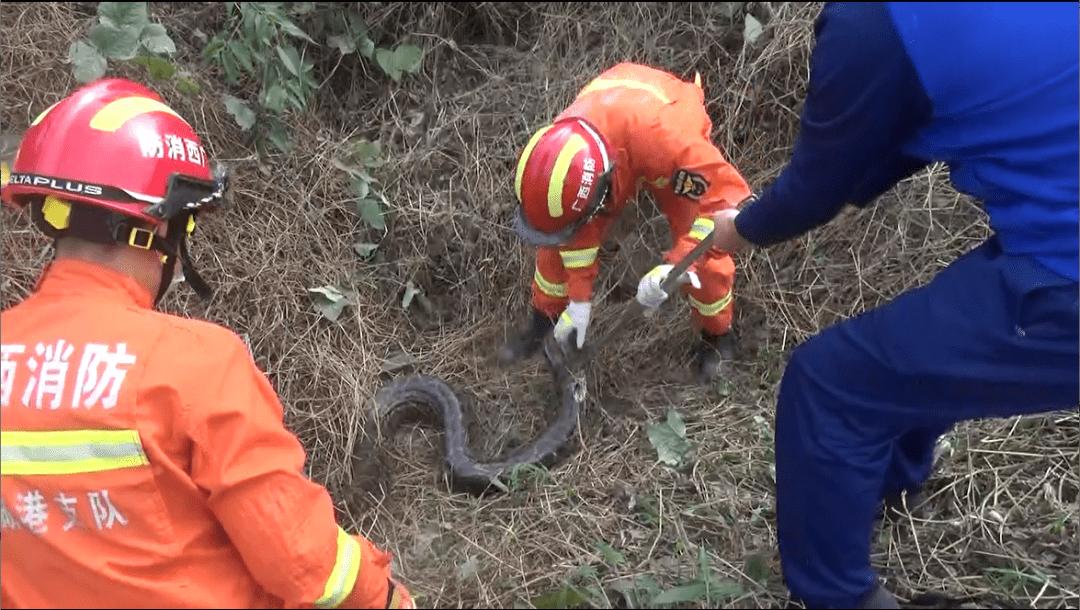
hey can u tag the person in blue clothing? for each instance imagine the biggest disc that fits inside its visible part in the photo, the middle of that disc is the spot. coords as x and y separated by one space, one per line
991 90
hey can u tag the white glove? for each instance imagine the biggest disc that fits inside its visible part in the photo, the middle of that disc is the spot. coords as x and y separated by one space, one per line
574 317
649 292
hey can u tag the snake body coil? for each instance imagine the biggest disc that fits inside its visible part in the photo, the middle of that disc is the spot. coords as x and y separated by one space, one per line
438 401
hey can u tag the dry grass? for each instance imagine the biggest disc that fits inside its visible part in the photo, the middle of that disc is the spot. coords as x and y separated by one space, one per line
494 72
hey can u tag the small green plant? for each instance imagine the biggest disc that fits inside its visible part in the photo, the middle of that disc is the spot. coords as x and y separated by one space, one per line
706 587
330 301
582 589
521 476
669 439
124 33
647 511
272 45
360 157
260 42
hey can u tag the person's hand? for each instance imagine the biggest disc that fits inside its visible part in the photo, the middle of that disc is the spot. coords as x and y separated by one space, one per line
574 318
725 237
400 598
650 292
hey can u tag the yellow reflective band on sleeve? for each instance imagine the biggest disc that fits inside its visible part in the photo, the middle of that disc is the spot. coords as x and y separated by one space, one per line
69 451
114 114
525 158
549 288
572 147
602 84
575 259
343 576
711 309
701 228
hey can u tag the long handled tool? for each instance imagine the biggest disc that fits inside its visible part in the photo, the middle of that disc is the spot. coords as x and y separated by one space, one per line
575 358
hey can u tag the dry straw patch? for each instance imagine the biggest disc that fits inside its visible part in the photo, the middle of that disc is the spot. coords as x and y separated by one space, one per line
493 73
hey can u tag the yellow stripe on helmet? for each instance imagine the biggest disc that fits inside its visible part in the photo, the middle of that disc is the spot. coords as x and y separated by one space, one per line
559 172
116 113
525 158
42 115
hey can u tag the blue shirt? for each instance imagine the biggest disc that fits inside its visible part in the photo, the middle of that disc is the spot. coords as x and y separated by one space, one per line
990 89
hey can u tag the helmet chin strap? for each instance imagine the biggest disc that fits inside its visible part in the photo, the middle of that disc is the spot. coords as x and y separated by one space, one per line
174 247
108 228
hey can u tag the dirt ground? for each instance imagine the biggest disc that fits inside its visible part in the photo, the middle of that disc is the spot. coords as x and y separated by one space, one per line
611 526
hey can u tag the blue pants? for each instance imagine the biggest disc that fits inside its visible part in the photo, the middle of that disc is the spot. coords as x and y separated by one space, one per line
862 404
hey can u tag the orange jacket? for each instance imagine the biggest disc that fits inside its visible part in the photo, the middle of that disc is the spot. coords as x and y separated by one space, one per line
146 465
660 131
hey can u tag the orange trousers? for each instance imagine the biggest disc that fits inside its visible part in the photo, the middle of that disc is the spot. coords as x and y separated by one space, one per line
712 305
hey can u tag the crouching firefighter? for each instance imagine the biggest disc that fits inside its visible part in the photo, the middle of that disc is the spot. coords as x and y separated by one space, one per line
632 128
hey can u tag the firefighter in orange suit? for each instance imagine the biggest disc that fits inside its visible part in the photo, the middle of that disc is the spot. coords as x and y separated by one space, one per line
145 459
633 127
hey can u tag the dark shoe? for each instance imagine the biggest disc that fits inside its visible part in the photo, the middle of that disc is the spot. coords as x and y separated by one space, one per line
713 357
526 342
879 598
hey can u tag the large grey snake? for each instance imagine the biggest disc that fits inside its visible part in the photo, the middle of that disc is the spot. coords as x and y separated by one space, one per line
439 402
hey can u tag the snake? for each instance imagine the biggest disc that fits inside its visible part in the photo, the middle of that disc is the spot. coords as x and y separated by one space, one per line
438 402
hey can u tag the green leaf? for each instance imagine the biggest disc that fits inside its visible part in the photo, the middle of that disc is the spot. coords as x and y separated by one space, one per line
676 422
279 137
155 39
720 590
751 29
410 291
360 188
263 29
365 250
291 29
372 213
586 572
669 439
611 556
289 58
686 593
468 569
297 94
367 46
123 14
408 57
566 597
342 43
367 152
242 54
385 59
329 301
159 67
188 85
275 99
214 47
114 42
88 62
228 60
245 118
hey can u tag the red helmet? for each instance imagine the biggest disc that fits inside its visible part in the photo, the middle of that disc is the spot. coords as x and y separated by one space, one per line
563 177
114 144
116 148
